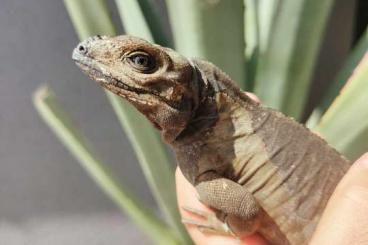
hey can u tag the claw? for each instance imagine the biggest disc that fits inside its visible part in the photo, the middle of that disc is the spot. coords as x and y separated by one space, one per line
191 222
209 223
197 212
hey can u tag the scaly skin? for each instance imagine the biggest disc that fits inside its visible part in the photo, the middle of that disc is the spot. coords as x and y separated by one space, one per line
261 171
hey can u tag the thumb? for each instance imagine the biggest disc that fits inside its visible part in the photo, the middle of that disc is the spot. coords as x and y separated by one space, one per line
345 220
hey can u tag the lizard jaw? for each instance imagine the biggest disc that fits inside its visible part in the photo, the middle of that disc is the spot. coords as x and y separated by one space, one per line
134 94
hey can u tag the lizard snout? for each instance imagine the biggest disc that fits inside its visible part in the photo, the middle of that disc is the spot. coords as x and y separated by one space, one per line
82 48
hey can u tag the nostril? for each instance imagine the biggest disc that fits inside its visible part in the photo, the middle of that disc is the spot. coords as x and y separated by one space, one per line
82 49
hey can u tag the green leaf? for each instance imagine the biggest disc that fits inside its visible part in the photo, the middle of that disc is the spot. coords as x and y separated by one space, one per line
90 18
57 119
252 40
266 13
345 123
141 18
213 30
149 149
153 159
352 61
259 15
133 19
286 66
358 146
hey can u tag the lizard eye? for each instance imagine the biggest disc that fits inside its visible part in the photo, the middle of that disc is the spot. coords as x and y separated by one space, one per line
141 61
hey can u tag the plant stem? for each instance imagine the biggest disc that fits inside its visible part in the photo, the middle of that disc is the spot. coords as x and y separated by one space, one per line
212 30
60 123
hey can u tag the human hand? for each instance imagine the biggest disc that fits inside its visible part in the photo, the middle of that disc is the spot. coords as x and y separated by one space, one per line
187 197
345 219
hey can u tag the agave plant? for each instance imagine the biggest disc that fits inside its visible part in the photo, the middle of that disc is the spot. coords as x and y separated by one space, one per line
269 47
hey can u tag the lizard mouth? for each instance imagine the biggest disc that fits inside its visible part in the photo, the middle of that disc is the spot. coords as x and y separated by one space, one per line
134 94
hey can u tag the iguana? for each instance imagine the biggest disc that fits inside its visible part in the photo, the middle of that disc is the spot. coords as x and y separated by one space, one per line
258 169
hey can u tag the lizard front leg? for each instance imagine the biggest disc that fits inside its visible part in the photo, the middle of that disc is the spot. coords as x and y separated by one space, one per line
239 210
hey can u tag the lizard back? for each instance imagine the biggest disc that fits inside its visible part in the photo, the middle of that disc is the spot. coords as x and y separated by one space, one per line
291 171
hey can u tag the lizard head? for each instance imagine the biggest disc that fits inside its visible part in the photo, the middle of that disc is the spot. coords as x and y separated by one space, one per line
156 80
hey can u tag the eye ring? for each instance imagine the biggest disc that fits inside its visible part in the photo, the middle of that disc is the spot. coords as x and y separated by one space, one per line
141 61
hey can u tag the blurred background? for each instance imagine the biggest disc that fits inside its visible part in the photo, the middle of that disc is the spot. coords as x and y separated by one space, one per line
45 196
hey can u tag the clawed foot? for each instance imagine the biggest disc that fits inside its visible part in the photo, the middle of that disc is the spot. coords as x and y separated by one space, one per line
209 223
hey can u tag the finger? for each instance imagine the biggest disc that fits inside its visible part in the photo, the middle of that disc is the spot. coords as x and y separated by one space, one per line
345 220
253 97
187 197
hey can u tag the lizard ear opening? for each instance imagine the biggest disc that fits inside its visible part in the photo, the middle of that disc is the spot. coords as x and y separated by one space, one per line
199 84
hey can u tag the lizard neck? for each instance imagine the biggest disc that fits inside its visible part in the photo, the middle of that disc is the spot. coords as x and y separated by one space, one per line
204 117
210 138
215 124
